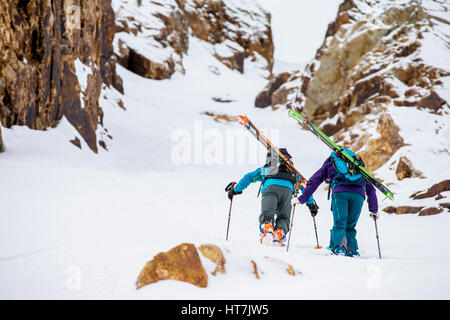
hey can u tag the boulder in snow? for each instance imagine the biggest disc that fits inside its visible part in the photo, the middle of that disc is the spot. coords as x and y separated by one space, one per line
215 254
180 263
405 169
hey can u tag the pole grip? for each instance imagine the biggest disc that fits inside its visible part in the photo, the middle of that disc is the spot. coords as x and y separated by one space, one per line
229 186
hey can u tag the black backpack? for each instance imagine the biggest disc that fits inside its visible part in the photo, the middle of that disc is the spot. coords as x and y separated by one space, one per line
276 167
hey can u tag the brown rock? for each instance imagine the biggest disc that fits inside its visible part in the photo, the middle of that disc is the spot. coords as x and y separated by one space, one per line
264 98
291 271
430 211
405 169
380 150
402 209
280 96
180 263
213 253
439 197
408 49
234 62
330 129
433 190
39 43
144 67
220 117
76 142
255 269
102 144
433 102
445 205
330 80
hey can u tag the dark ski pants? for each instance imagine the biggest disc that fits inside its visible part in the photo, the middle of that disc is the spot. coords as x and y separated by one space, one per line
276 205
346 207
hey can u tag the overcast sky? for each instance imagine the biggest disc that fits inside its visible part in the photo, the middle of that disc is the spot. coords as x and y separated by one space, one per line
299 26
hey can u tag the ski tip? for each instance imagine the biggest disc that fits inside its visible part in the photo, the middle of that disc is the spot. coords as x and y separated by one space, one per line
295 115
292 113
242 119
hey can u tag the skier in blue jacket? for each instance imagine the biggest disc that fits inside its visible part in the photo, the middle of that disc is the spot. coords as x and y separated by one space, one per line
278 184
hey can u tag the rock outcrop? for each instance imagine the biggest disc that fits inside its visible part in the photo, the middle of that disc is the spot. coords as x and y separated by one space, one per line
152 37
54 58
368 49
405 169
379 61
433 191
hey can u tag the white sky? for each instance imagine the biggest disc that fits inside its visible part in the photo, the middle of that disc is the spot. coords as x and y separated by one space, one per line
299 26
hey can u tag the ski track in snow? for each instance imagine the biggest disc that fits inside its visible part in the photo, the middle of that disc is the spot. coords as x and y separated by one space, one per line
69 213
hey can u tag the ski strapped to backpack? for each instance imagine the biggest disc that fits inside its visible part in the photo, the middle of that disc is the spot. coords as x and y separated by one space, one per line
352 161
301 181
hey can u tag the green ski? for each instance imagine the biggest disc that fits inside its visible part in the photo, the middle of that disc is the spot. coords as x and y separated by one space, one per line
336 148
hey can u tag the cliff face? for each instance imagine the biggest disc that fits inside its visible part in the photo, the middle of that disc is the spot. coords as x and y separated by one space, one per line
152 37
54 57
380 63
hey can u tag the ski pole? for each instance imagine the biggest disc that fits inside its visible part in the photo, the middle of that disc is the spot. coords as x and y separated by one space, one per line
228 188
315 230
378 238
290 231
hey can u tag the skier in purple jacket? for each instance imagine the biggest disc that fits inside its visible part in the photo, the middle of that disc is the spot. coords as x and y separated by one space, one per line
346 204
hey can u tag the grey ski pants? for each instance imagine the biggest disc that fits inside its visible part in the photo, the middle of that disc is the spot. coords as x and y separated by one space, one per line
276 205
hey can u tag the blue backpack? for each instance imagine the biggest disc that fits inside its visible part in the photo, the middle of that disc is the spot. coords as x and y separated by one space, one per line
346 174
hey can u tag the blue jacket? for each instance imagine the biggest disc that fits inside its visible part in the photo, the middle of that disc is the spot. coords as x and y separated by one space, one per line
259 175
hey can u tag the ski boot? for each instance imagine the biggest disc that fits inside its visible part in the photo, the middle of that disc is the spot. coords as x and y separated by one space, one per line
340 250
352 254
266 232
279 238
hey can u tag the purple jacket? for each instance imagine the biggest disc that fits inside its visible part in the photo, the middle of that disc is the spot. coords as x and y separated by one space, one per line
327 172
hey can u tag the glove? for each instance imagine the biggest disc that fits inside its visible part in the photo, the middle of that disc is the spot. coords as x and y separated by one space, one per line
313 208
294 201
232 193
374 215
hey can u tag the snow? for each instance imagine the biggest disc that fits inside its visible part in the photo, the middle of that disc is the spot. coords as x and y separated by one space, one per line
298 28
83 72
79 225
434 51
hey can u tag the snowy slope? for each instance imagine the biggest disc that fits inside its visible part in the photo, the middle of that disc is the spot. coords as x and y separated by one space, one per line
78 225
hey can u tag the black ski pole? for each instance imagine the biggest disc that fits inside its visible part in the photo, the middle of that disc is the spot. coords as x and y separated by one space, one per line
378 238
315 229
290 231
227 189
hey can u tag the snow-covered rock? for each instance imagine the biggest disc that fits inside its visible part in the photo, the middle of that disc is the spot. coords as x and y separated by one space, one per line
379 85
153 36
